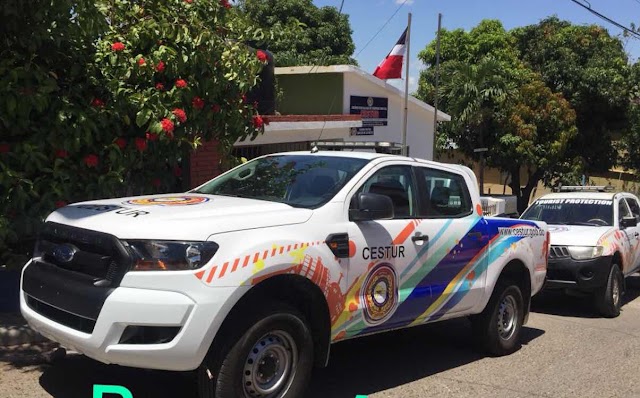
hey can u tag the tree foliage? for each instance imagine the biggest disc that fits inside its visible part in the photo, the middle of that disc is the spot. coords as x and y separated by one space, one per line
301 33
590 68
107 98
526 93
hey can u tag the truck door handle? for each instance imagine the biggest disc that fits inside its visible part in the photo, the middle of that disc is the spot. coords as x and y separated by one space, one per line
420 238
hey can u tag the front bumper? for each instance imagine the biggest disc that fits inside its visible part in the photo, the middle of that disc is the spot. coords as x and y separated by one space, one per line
193 322
585 275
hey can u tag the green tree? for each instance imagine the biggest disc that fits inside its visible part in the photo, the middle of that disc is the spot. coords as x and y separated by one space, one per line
301 33
590 69
497 102
630 143
107 98
535 131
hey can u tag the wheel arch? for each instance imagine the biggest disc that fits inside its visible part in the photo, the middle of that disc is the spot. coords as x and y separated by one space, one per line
294 290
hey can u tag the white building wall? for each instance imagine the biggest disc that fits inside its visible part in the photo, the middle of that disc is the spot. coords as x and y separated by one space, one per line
419 121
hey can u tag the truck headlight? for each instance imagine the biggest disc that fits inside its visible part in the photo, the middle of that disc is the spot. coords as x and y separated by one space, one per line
155 255
585 252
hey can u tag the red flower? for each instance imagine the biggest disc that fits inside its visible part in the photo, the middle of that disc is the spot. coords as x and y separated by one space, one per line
91 160
215 108
121 143
177 171
188 1
225 4
244 99
258 122
60 203
160 67
167 125
181 83
262 56
156 182
197 102
97 103
141 144
61 153
180 114
159 86
142 62
5 148
151 136
117 46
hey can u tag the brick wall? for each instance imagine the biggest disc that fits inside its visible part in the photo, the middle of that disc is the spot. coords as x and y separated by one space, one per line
204 164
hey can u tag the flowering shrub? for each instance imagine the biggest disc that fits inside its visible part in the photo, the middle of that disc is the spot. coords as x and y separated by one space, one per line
107 98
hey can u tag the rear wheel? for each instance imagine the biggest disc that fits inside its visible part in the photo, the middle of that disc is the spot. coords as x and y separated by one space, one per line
272 358
608 299
497 329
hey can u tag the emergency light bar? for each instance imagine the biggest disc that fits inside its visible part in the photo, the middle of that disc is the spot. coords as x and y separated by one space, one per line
378 146
584 188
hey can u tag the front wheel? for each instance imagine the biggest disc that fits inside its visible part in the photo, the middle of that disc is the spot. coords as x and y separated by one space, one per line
609 297
272 358
497 328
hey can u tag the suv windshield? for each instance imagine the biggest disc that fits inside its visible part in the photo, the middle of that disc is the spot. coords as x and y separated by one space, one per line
297 180
572 211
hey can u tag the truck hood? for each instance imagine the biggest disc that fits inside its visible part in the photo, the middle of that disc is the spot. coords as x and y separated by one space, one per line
576 235
177 216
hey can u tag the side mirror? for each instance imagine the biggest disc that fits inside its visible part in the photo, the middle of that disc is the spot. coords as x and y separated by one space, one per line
628 222
371 206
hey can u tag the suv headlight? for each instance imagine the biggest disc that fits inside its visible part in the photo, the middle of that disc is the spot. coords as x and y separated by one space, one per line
585 252
155 255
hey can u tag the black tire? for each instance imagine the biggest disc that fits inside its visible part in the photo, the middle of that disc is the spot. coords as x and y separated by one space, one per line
505 309
608 299
278 334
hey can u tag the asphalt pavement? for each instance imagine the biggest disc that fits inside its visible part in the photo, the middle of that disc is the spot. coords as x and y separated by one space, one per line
568 351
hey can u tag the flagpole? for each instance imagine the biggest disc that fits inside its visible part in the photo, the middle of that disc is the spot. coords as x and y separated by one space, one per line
406 89
435 96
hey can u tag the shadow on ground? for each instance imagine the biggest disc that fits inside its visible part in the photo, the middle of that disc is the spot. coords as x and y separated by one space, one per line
555 302
361 366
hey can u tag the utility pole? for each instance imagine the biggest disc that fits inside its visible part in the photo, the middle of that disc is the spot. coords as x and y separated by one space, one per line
435 96
406 89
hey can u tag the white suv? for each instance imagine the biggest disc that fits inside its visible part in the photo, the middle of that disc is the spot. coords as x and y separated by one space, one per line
594 242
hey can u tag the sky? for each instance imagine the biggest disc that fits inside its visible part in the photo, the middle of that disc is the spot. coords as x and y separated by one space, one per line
368 16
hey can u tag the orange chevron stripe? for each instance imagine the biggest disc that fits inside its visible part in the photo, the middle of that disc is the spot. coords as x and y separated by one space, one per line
246 261
211 273
224 269
200 274
235 265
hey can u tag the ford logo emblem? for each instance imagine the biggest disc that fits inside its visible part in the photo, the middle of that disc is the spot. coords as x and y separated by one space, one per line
64 253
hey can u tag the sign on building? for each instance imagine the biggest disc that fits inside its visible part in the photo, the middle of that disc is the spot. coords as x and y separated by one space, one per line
362 130
373 110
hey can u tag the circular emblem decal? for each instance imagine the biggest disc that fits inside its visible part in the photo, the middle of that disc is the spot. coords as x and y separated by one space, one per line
380 294
370 101
169 201
64 253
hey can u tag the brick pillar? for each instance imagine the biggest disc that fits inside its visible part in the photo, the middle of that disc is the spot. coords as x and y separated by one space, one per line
204 164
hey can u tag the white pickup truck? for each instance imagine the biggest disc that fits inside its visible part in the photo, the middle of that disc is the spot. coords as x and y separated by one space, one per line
251 277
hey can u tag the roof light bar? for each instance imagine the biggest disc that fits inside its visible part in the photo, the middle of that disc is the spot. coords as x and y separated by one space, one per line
584 188
378 146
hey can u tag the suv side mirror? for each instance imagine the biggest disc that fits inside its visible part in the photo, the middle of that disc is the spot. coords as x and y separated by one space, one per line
371 206
628 222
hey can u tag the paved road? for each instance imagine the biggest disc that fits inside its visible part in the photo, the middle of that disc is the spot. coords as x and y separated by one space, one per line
568 352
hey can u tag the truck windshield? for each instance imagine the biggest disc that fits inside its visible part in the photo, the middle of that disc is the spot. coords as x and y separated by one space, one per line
298 180
596 212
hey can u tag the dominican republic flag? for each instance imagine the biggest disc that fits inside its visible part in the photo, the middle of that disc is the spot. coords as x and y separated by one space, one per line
391 66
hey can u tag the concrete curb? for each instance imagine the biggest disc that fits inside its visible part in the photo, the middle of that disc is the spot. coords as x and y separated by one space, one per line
15 331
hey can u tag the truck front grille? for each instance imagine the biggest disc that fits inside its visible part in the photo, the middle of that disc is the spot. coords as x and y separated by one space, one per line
62 317
92 253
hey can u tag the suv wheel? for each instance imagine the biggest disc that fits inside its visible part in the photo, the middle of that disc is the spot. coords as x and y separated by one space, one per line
497 328
271 358
609 298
